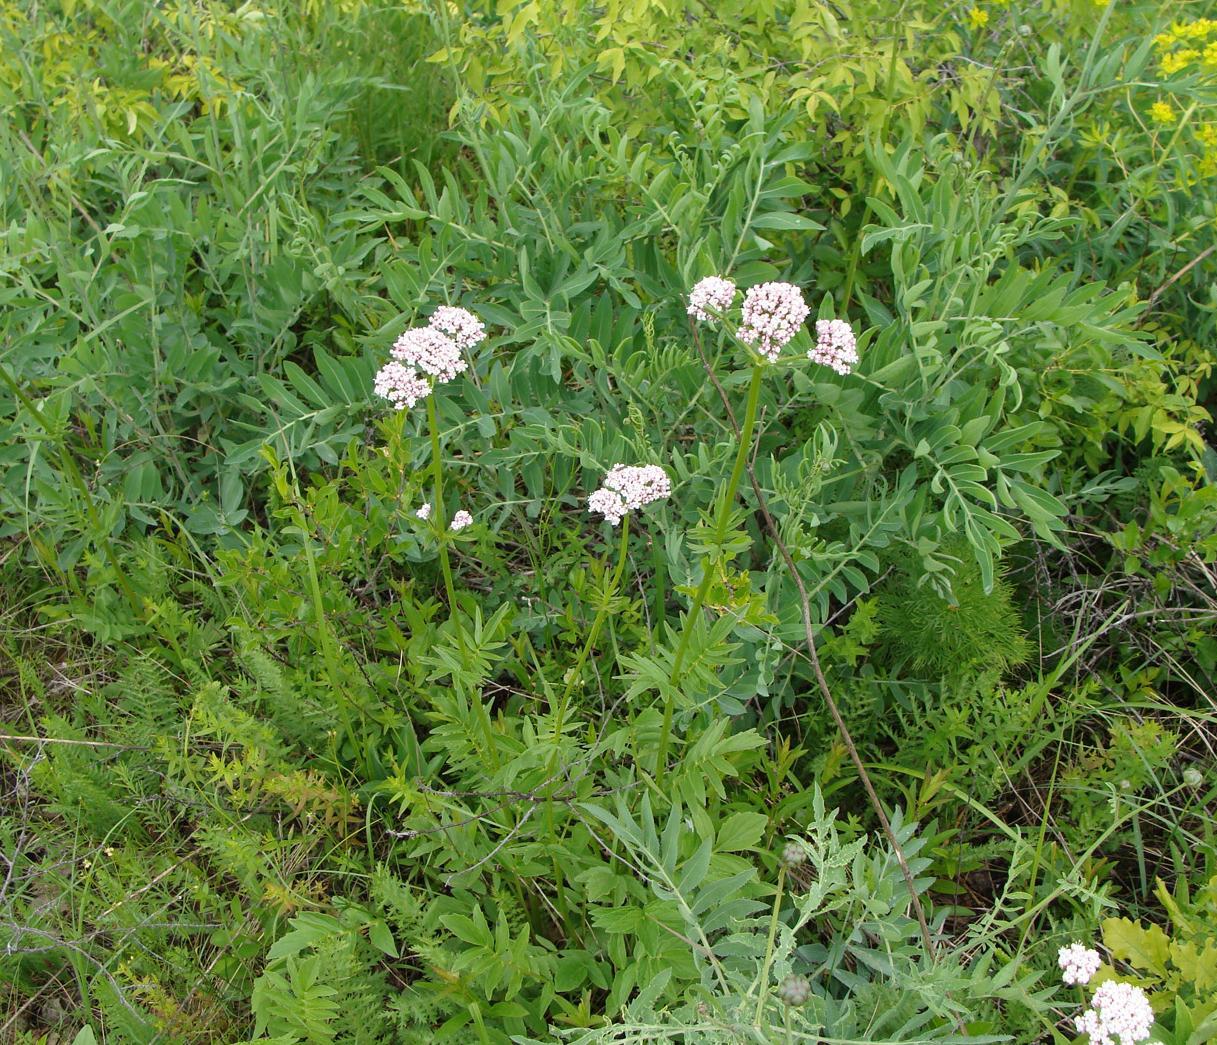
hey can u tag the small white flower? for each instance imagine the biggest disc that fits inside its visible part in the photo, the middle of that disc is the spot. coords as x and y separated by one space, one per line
459 324
424 512
460 520
1119 1014
426 349
835 346
628 487
712 294
400 385
772 314
1078 963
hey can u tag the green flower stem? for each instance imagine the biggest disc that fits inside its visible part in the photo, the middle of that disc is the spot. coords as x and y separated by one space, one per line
573 678
762 988
594 633
437 508
703 589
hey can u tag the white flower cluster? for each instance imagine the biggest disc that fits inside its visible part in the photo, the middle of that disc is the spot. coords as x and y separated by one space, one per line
1119 1014
430 351
424 512
772 314
426 356
712 294
835 346
400 385
460 520
1078 963
629 487
459 324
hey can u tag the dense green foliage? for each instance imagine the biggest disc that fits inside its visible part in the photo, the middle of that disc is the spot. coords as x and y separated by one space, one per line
284 761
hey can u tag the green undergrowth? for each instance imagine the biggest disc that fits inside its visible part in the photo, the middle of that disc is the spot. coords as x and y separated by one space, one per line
285 761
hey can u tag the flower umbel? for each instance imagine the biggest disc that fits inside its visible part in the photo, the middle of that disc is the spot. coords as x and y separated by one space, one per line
424 512
426 349
1119 1014
835 346
1078 963
772 315
714 293
460 520
459 324
629 487
400 385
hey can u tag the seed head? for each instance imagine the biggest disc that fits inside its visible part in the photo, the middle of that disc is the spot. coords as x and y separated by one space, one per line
794 991
793 855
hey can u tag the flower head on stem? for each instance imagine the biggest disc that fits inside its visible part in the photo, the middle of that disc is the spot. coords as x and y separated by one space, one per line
714 294
772 314
627 488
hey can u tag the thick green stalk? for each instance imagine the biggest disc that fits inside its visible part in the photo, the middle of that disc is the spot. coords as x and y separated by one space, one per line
720 532
437 507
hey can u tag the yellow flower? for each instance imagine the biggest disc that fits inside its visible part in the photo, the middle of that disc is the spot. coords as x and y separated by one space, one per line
1172 63
1161 112
978 17
1208 135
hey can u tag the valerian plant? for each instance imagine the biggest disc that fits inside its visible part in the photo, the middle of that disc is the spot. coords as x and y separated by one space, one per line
444 600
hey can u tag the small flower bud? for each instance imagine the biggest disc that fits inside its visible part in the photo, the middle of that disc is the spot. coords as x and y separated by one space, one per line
1193 777
794 991
792 855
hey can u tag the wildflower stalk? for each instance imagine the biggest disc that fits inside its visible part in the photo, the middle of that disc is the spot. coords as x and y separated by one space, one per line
574 673
441 521
703 589
763 985
594 632
842 729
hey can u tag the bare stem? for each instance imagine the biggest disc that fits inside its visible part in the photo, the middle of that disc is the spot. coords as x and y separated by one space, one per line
437 509
809 635
744 438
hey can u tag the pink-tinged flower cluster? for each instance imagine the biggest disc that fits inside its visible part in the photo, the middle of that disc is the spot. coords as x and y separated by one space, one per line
627 488
1119 1014
428 350
710 295
460 520
400 385
1078 963
461 325
835 346
772 315
426 356
424 512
